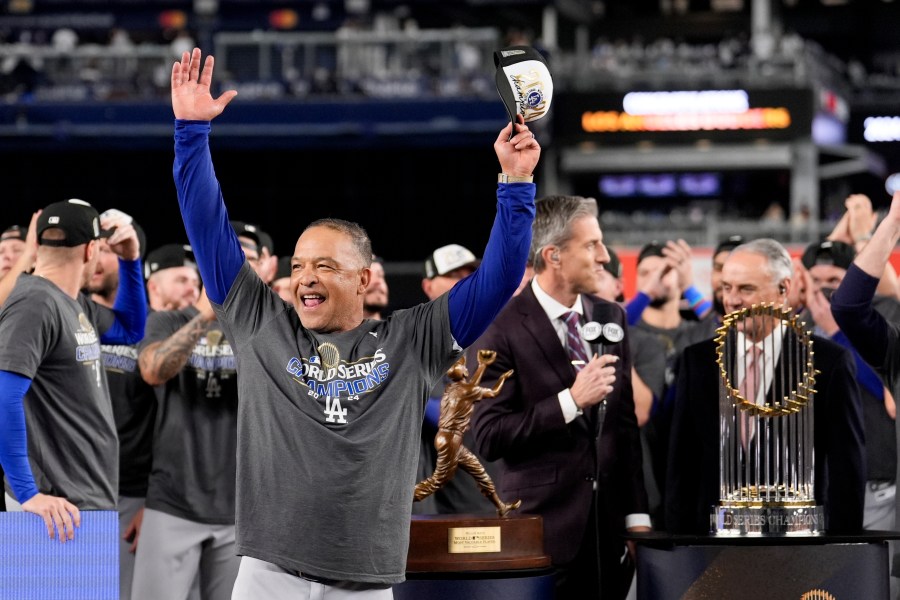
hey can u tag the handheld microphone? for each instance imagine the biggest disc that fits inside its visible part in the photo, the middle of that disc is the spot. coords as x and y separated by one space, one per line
602 328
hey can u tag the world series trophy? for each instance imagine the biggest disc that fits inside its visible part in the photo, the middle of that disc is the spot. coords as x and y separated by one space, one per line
766 453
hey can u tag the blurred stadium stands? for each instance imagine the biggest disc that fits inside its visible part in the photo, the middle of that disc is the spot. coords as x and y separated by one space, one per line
326 74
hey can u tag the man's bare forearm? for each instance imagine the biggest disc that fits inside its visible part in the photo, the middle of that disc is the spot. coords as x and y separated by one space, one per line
161 361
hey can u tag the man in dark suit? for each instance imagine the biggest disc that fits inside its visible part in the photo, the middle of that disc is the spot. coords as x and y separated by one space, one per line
761 272
563 429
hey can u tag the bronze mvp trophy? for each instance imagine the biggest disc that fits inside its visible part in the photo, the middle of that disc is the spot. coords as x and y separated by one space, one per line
470 542
766 452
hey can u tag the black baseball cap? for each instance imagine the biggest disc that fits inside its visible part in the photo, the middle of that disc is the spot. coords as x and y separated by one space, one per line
524 82
14 232
729 244
614 266
266 241
284 267
167 257
828 252
248 230
654 248
77 219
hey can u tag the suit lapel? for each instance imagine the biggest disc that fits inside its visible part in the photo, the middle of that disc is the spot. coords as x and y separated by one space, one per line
544 337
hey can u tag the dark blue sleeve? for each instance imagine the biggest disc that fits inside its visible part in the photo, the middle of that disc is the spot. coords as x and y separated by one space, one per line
477 299
130 307
635 307
14 439
433 413
215 245
852 309
864 373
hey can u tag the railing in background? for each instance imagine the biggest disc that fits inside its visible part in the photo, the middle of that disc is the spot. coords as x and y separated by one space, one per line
350 63
88 72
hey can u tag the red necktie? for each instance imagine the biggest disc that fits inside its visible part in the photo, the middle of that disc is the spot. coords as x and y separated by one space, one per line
573 341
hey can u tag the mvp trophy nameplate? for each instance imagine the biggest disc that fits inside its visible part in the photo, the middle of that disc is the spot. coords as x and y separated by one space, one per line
442 543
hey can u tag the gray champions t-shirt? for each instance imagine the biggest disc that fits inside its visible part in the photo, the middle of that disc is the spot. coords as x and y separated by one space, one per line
329 432
195 439
134 408
55 340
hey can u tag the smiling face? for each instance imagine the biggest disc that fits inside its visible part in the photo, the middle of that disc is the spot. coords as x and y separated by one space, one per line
328 280
105 279
583 256
173 288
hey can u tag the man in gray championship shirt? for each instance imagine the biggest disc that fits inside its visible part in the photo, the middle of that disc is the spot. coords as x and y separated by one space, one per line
58 442
188 529
331 404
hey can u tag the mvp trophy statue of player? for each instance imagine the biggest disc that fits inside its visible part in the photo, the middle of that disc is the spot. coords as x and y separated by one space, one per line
457 404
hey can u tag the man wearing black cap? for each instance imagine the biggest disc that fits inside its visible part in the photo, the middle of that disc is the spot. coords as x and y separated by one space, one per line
134 409
281 284
612 286
664 274
52 383
12 245
24 261
824 266
250 238
173 282
188 522
723 249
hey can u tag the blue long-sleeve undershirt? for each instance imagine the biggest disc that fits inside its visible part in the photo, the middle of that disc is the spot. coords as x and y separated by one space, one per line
474 301
635 307
130 306
14 440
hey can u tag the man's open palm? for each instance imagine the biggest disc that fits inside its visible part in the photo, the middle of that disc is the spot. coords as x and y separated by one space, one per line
191 98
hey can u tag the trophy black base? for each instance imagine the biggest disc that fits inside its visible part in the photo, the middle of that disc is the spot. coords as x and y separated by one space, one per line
749 568
522 584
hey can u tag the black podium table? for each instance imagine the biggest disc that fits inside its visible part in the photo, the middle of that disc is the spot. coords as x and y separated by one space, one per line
526 584
768 568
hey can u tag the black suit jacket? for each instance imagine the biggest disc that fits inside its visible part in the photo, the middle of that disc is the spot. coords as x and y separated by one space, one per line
692 483
548 464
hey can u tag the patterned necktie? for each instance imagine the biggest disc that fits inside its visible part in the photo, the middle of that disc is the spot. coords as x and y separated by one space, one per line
748 388
573 341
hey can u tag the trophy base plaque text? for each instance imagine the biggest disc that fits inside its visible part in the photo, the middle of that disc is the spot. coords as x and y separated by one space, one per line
444 543
736 519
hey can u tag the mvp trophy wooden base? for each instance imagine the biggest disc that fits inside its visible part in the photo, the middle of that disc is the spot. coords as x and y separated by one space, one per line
446 543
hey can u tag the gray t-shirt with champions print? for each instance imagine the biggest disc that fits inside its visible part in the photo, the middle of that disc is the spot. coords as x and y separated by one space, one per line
329 429
195 436
55 340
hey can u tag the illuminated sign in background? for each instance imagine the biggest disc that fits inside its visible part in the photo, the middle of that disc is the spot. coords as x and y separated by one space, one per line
683 116
881 129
